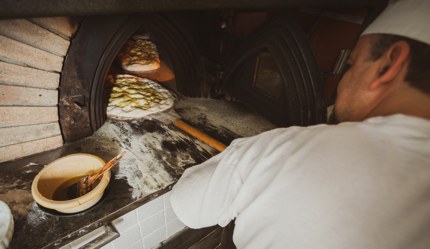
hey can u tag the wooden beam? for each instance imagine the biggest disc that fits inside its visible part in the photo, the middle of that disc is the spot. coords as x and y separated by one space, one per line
22 54
24 31
21 134
18 115
63 26
24 149
26 96
11 74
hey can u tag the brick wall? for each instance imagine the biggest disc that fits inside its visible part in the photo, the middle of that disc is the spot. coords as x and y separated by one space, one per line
31 58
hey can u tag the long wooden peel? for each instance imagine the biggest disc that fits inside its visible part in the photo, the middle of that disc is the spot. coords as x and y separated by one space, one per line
200 135
171 117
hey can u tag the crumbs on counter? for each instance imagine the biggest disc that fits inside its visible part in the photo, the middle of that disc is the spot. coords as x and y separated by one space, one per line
18 200
157 154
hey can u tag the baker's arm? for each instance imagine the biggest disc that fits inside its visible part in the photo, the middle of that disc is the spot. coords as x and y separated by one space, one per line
204 194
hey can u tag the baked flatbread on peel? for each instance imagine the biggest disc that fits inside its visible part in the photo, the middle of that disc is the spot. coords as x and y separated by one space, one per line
134 97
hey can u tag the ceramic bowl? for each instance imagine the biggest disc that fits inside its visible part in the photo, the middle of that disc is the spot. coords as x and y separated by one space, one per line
64 172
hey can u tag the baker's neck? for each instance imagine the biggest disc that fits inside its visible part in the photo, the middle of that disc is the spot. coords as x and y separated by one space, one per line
408 101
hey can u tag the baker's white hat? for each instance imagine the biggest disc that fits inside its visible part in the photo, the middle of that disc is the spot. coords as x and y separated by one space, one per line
409 18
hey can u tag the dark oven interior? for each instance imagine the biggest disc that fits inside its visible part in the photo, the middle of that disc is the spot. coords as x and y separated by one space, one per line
271 61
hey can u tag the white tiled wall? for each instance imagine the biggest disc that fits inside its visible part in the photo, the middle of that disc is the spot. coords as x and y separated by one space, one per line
144 227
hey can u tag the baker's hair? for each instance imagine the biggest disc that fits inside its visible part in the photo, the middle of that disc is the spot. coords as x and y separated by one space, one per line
418 74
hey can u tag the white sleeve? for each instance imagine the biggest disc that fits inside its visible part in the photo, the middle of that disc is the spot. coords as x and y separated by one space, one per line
203 195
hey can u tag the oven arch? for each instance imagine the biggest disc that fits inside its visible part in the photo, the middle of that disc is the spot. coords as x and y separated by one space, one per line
300 99
82 105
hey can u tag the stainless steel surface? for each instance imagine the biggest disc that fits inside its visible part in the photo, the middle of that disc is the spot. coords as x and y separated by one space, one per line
110 233
341 61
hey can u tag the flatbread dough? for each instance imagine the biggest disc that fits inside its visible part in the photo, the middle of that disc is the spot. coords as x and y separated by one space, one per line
139 54
134 97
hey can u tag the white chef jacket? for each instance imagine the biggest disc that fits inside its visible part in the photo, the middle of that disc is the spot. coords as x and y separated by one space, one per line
352 185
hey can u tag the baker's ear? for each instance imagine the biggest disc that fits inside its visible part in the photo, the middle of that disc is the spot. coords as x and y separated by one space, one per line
391 63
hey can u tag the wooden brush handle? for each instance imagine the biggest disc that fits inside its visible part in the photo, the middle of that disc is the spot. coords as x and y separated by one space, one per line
200 135
110 164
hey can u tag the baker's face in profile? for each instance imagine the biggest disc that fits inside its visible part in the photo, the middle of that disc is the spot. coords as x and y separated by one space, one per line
350 104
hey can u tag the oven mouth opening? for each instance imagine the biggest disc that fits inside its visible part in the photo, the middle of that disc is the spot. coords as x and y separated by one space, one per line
277 51
83 90
174 51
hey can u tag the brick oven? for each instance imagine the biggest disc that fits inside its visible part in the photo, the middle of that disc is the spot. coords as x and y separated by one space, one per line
280 59
32 52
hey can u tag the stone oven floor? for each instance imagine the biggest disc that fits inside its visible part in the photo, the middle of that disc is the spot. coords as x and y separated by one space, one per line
157 155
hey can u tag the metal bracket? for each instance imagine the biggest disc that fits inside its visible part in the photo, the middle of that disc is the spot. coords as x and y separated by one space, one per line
109 235
341 61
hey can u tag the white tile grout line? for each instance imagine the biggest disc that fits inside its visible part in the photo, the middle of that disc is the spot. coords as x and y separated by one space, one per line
165 215
140 229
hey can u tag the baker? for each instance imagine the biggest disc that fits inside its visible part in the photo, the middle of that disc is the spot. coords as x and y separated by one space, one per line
364 183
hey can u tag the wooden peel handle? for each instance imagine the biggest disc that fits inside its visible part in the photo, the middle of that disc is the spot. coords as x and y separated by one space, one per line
200 135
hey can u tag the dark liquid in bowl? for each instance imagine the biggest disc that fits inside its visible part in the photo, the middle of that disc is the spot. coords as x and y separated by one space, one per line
69 190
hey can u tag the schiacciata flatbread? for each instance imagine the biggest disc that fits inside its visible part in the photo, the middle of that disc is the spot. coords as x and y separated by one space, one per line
134 97
139 54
